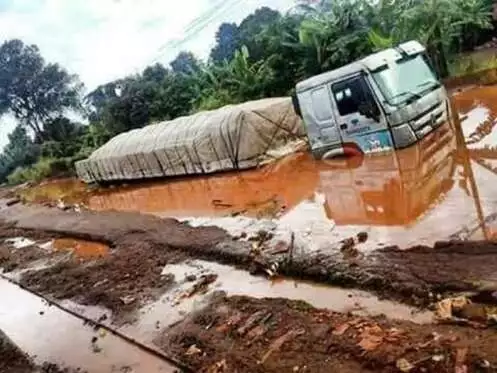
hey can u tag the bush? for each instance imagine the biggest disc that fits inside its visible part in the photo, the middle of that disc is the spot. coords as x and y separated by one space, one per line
473 63
44 168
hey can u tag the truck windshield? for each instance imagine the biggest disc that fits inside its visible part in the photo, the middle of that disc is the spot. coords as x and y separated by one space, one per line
405 80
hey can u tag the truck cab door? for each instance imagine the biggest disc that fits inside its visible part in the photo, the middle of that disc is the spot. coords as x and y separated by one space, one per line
360 119
318 115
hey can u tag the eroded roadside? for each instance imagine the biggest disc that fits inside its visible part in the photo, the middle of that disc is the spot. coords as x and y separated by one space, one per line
417 276
241 334
130 279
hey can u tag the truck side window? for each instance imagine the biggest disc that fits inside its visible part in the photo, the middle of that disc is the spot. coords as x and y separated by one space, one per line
350 94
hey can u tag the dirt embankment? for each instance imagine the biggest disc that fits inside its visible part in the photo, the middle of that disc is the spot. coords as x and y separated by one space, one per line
142 244
240 334
416 276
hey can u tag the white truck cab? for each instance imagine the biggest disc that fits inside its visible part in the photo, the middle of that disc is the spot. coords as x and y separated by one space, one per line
388 100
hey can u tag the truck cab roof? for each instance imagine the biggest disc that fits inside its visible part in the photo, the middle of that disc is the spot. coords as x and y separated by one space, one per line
371 63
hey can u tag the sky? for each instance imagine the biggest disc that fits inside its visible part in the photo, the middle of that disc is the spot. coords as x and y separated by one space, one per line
101 40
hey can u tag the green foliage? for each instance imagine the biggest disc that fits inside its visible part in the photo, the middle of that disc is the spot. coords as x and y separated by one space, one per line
233 82
185 63
227 42
32 90
19 151
264 56
44 168
472 63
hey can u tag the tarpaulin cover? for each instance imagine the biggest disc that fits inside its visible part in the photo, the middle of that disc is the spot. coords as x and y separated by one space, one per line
230 138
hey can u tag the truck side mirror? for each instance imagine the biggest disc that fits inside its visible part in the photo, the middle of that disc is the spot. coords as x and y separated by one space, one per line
296 105
369 110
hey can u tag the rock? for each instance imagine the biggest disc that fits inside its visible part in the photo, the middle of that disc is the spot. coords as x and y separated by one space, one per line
12 201
190 278
193 350
362 237
404 365
202 285
127 300
219 367
347 244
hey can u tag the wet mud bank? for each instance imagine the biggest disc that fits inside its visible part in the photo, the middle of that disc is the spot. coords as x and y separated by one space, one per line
418 276
142 245
241 334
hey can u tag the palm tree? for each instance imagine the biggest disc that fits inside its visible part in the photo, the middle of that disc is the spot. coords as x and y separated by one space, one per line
438 24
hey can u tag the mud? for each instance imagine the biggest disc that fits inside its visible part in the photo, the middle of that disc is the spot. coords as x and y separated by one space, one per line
12 359
416 276
84 250
241 334
121 281
54 339
12 259
142 245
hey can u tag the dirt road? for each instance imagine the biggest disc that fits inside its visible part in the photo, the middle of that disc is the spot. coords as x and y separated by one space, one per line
240 334
126 274
143 244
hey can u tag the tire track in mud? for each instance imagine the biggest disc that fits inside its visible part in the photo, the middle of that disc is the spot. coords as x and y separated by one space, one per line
415 276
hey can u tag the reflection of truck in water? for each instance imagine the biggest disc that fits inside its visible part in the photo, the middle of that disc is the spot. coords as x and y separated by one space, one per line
386 189
388 100
394 188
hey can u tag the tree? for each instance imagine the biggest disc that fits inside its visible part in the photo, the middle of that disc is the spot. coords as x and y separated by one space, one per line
185 63
277 40
62 129
252 27
332 34
19 151
227 42
235 81
155 73
441 25
32 90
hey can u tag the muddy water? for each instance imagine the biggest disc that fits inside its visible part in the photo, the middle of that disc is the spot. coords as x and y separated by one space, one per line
443 187
173 305
79 248
49 334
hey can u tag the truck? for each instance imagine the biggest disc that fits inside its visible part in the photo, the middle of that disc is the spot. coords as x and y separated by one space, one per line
387 100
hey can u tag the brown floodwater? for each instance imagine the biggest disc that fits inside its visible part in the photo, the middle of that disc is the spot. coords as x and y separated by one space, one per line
80 248
49 334
443 187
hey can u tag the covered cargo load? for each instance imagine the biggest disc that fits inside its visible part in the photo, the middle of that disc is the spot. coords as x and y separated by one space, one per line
230 138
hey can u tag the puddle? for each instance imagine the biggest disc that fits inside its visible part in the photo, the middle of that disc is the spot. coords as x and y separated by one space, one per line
70 190
81 249
172 307
19 242
52 335
441 188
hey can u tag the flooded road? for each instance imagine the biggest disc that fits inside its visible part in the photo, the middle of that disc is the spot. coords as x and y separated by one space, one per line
443 187
49 334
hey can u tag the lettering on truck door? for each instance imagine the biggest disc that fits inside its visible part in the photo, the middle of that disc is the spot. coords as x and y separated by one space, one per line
360 119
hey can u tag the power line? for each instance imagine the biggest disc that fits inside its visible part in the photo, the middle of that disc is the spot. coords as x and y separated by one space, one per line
217 10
